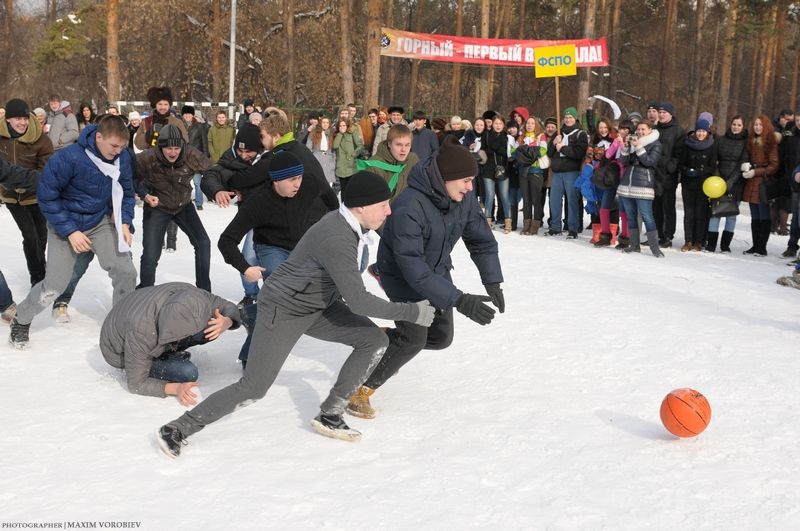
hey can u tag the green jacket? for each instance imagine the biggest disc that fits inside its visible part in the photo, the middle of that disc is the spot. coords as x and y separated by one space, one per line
347 147
220 139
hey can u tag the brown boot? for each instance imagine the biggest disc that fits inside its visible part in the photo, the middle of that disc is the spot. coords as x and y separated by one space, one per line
535 226
359 405
507 227
526 227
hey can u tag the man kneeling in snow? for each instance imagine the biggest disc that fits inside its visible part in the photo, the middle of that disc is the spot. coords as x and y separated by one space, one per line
148 332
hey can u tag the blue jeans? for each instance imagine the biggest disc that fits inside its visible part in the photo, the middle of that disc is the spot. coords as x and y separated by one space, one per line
759 211
171 368
488 195
6 298
514 197
563 185
730 224
81 265
794 228
249 253
637 207
198 193
269 257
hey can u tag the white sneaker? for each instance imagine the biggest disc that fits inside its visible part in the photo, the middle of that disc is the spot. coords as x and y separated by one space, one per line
9 313
61 313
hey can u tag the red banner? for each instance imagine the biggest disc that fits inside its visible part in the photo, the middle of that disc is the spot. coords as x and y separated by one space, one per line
504 52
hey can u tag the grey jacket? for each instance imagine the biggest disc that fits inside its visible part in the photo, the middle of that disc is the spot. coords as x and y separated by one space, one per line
139 328
63 126
322 269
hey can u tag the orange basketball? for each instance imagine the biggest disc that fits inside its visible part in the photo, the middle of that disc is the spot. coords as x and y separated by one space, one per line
685 412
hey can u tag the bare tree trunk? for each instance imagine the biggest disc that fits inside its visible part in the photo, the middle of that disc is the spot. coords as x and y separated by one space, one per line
481 92
697 67
390 64
53 10
589 7
7 23
738 67
112 49
503 10
665 75
604 31
617 36
776 94
289 25
347 52
725 73
795 75
216 50
455 93
372 77
757 81
412 89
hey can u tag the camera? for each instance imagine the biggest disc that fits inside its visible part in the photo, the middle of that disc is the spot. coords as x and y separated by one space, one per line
632 138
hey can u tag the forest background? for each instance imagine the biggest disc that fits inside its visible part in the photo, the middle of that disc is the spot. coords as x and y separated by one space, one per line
723 56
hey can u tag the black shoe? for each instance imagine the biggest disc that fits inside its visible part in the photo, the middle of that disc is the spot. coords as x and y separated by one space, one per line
622 242
170 439
553 232
335 427
571 235
199 207
790 252
246 301
19 334
665 243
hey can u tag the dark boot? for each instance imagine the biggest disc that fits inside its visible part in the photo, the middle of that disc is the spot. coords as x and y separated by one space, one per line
603 240
725 244
754 233
634 245
622 242
790 252
535 226
711 246
652 242
764 238
526 227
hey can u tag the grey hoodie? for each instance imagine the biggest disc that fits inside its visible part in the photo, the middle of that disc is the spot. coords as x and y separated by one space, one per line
63 126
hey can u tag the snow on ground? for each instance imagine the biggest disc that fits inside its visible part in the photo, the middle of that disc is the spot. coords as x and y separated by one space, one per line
546 419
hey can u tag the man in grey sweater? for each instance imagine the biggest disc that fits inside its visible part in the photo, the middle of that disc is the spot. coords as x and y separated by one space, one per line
317 291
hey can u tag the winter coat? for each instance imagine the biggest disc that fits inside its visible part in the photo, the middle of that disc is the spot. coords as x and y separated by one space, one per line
418 238
198 135
63 126
591 194
639 179
132 133
275 220
790 156
74 195
15 177
347 147
171 182
220 139
149 321
731 154
384 155
671 138
144 137
380 134
327 158
31 150
496 149
571 156
424 143
698 161
764 160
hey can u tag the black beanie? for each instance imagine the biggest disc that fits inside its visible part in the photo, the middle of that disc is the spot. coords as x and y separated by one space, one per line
249 138
170 136
455 161
365 188
284 165
17 108
187 109
248 102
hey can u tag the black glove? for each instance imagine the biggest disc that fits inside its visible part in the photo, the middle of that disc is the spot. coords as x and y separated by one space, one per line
496 293
473 307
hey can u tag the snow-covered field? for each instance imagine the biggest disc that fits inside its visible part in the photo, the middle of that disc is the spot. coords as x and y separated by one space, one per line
546 419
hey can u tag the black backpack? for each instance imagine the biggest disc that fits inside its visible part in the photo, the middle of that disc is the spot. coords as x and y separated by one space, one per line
606 174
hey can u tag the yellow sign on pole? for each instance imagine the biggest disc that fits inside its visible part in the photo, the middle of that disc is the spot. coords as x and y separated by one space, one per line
555 61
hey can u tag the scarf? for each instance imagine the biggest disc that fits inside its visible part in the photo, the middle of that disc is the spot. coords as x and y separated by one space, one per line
323 141
365 239
112 171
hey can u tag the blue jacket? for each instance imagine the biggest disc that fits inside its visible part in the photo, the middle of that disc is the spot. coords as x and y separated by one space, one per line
74 195
589 191
425 225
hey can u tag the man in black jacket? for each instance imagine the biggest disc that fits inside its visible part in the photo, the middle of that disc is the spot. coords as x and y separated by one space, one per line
790 158
198 139
428 219
671 136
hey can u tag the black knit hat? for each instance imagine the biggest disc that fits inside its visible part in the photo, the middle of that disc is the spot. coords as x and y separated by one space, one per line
489 115
187 109
652 105
667 106
170 136
248 102
550 120
156 94
365 188
395 108
284 165
249 138
455 161
17 108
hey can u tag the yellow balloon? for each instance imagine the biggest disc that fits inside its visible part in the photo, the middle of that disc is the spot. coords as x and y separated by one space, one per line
714 187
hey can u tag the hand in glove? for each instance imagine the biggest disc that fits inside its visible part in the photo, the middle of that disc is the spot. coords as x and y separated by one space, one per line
745 166
496 293
749 174
473 307
426 313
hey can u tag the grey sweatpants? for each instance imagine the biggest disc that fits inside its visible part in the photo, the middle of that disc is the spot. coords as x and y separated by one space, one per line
61 261
276 333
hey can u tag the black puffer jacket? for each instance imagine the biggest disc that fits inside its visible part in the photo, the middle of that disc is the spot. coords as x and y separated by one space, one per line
790 155
671 138
731 154
698 161
496 148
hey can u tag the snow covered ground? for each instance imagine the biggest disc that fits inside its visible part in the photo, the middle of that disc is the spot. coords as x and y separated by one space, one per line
546 419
